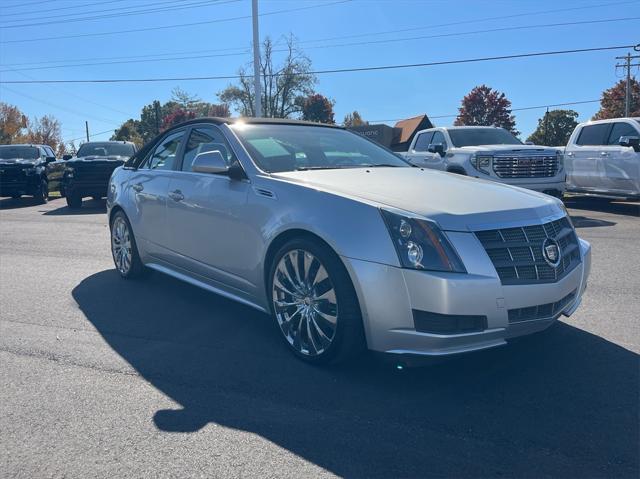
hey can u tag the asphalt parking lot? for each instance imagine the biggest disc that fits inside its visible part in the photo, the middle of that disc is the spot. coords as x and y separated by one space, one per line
102 377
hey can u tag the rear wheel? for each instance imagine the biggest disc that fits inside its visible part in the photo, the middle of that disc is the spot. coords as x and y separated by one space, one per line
314 304
74 200
42 194
124 249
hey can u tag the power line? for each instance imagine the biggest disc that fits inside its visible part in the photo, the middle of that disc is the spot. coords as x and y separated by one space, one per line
120 13
142 59
179 25
90 136
22 4
537 107
60 8
329 71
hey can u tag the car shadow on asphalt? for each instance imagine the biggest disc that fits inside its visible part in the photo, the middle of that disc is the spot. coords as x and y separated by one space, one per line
586 222
89 207
627 208
561 403
24 202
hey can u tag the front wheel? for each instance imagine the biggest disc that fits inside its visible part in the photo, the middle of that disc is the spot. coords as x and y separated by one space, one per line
42 194
74 200
314 303
124 249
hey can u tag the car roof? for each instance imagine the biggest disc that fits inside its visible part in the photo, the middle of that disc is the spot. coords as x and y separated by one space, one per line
610 120
32 145
108 142
255 121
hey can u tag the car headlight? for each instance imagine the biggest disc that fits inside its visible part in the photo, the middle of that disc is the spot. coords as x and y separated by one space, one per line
421 245
481 163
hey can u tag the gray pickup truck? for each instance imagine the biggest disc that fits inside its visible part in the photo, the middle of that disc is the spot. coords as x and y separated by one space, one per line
489 153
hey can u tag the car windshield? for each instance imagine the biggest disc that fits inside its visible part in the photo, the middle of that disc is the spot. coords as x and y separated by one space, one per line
482 136
106 149
281 147
21 152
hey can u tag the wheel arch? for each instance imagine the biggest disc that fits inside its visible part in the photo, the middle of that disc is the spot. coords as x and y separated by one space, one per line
114 210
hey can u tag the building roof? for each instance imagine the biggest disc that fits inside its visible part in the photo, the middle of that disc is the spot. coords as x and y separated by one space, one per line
410 126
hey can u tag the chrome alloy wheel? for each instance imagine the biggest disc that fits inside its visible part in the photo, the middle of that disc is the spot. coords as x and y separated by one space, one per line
304 302
121 245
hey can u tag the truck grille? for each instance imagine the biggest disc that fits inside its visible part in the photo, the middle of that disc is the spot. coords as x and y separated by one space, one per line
530 166
541 311
517 253
10 174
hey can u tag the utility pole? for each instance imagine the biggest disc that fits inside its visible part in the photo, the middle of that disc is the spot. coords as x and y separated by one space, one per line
627 91
256 60
86 128
546 127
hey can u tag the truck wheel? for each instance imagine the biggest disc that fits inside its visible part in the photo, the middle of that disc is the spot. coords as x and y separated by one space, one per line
62 192
74 201
42 194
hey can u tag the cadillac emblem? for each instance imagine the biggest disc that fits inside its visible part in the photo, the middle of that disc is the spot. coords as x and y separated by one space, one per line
551 252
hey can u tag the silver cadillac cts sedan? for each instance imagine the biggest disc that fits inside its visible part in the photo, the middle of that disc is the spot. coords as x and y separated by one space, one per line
344 244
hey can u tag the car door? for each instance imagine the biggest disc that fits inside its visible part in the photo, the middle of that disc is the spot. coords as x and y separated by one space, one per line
620 164
584 166
206 217
148 187
419 155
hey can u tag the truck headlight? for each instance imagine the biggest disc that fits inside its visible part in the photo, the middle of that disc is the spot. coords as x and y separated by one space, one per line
482 163
420 244
68 172
30 171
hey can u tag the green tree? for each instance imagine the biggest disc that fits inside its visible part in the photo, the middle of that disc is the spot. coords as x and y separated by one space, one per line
554 128
283 86
353 119
12 123
613 99
484 106
318 108
129 131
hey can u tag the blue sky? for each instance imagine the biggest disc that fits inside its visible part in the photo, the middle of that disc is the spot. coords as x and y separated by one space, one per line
378 95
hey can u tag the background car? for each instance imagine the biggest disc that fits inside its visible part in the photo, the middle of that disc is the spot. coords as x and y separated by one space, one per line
27 169
87 174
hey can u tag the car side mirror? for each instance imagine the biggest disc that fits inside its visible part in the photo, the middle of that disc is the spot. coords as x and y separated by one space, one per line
436 148
630 142
67 157
210 162
50 159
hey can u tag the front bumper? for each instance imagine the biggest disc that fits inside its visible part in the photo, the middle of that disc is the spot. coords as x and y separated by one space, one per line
389 296
20 184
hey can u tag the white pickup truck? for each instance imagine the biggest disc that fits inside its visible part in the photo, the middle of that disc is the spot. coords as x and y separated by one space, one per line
603 158
490 153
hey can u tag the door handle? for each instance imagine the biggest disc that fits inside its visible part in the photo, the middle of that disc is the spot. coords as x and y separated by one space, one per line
138 187
176 195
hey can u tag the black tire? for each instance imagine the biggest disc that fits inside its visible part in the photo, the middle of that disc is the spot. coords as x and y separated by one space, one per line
42 194
136 269
348 340
74 201
62 192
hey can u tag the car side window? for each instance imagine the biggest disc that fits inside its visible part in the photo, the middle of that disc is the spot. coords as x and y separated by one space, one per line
164 154
592 135
203 139
438 137
621 129
423 141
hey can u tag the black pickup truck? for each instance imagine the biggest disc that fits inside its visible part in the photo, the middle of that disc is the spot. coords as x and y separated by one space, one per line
88 173
29 170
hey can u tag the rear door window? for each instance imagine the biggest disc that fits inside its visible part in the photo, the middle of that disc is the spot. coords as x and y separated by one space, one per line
592 135
621 129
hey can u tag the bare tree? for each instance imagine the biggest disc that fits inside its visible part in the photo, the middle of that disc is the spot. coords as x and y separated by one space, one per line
284 86
44 131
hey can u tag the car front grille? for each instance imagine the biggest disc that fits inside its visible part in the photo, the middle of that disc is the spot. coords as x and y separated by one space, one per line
541 311
517 253
530 166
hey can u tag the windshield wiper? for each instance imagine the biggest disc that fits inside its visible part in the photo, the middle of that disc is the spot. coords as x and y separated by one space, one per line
380 165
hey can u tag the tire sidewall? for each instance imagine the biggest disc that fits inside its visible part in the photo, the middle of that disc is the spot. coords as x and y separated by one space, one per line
348 308
42 195
136 264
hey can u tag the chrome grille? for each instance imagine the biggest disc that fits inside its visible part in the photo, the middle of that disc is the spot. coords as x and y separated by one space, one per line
541 311
516 253
529 166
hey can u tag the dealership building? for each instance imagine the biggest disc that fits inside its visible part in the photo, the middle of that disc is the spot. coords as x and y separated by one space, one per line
397 137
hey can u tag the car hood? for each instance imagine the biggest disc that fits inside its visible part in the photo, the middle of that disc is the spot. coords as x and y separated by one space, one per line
455 202
506 148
